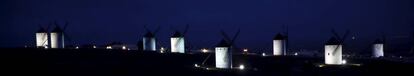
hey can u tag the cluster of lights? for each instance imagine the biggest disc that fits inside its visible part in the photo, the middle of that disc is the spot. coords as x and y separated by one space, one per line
162 50
204 50
108 47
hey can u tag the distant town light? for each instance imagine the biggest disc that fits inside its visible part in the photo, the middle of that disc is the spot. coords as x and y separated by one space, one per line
94 46
245 50
162 50
263 54
77 47
344 61
124 48
204 50
296 53
196 65
108 47
241 67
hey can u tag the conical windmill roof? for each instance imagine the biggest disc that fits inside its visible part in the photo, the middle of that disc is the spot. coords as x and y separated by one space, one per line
333 41
279 37
223 43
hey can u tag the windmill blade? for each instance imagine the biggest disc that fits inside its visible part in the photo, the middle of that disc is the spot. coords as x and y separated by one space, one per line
56 23
226 37
46 36
157 30
65 26
341 41
344 37
186 29
235 37
146 28
335 34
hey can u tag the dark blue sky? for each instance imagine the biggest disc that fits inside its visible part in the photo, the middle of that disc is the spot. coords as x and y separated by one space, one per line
310 21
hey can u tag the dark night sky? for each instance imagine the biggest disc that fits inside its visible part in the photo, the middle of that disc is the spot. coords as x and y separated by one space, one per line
310 21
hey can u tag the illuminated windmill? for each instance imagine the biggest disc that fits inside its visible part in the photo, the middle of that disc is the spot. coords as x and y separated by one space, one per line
279 45
224 51
378 48
57 36
333 49
149 40
42 40
178 42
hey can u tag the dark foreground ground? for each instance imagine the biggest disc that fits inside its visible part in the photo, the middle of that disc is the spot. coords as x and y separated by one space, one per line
100 62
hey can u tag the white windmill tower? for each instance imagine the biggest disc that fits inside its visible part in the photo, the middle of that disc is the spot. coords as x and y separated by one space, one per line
279 45
57 36
333 49
178 42
378 48
42 40
224 51
149 41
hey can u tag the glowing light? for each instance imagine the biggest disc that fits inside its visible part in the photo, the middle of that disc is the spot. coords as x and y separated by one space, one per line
321 66
196 65
245 50
108 47
344 61
162 50
94 46
241 67
77 47
263 54
204 50
124 48
296 54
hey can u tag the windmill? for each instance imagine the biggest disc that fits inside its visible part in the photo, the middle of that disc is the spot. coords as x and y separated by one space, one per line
378 47
149 40
280 43
178 42
333 48
224 51
57 36
279 46
42 40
